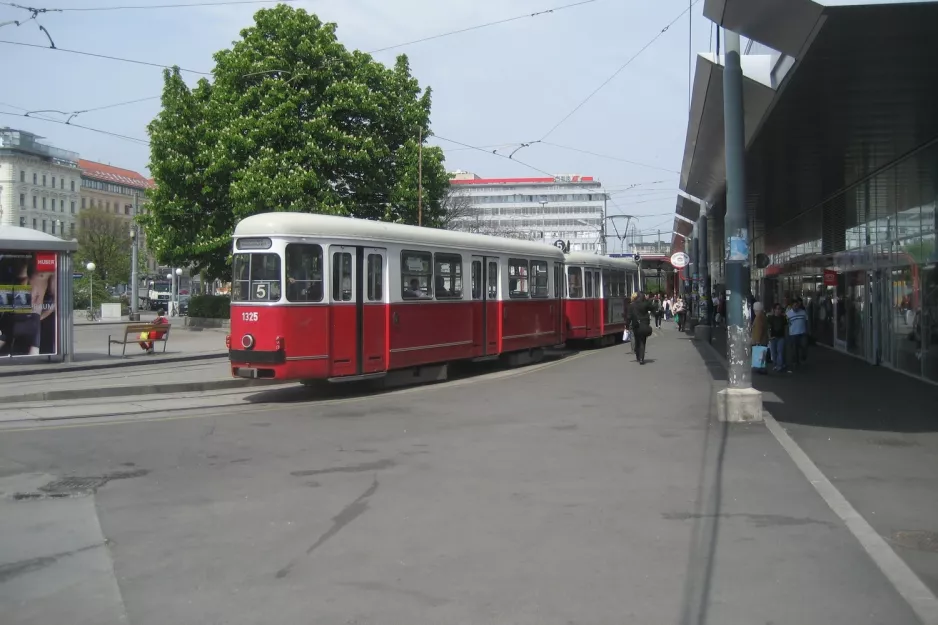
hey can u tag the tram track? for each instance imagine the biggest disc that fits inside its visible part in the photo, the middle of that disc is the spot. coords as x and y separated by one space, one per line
124 410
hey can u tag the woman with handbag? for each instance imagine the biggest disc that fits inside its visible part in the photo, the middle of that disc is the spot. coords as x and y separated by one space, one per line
640 321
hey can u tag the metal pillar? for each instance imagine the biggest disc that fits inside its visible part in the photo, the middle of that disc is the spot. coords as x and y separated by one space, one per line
694 276
134 279
740 402
706 303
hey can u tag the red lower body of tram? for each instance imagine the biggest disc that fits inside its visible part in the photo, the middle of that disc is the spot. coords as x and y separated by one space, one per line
331 341
594 318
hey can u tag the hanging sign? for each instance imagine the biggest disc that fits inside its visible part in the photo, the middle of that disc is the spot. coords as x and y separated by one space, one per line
679 260
830 277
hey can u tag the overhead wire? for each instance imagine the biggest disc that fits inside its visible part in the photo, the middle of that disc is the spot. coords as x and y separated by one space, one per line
486 25
159 6
617 72
104 56
493 153
613 158
73 125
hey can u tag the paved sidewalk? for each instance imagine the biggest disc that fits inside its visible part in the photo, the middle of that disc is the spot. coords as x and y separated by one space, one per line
152 378
874 433
91 350
592 490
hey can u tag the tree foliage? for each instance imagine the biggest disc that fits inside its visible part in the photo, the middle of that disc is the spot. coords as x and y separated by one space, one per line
104 239
293 121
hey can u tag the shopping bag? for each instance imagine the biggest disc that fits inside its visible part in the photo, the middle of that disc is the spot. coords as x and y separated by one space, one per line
626 337
759 354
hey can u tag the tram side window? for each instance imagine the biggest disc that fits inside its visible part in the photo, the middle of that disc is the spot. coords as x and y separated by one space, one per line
447 280
541 284
304 273
416 271
517 277
256 278
620 283
476 279
575 282
607 284
589 283
492 277
341 277
375 275
558 280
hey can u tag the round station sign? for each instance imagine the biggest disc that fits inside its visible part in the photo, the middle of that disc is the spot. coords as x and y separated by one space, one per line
679 260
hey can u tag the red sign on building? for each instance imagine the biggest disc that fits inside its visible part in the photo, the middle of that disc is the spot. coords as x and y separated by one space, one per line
830 277
45 262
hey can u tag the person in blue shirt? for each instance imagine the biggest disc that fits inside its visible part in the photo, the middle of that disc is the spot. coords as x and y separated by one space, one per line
797 333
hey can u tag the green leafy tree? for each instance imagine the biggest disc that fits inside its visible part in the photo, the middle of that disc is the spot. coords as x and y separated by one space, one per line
104 239
293 121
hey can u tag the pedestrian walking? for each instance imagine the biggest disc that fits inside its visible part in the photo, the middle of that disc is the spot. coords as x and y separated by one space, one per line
657 310
640 320
777 326
759 337
798 333
679 313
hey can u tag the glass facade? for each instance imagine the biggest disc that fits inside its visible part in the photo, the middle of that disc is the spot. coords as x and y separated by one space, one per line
870 283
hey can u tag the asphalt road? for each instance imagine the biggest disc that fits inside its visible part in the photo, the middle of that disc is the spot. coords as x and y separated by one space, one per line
590 490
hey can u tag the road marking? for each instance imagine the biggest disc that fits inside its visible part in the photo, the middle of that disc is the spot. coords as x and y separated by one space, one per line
262 408
905 581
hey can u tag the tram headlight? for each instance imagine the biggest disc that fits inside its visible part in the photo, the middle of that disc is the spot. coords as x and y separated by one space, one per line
247 341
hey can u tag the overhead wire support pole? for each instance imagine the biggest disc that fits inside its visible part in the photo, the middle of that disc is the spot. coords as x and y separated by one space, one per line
420 177
739 402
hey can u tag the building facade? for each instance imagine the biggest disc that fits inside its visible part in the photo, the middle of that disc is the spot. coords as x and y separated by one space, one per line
39 185
115 191
564 207
841 187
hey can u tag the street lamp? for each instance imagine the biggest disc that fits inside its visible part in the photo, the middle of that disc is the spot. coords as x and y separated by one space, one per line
134 279
91 267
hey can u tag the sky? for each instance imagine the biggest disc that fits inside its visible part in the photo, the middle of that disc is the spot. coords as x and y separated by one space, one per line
501 85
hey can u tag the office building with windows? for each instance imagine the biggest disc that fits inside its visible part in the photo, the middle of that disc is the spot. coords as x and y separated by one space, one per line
39 184
563 207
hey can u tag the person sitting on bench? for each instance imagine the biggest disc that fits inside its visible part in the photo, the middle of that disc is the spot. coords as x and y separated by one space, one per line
160 320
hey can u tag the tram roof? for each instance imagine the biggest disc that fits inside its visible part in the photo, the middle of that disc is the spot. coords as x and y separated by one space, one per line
330 226
596 260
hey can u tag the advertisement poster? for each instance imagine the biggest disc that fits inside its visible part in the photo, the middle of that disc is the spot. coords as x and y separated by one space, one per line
27 303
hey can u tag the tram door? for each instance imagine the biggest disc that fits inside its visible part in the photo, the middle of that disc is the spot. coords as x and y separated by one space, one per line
590 303
485 294
359 310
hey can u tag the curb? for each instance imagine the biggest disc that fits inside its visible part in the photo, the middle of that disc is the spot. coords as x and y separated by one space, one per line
143 389
66 368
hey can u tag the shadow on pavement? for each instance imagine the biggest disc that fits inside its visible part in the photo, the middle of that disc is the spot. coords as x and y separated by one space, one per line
319 390
838 391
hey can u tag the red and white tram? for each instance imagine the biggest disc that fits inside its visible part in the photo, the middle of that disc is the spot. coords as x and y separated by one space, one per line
598 292
322 297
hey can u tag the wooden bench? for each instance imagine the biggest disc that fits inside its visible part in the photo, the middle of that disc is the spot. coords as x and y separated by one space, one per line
132 332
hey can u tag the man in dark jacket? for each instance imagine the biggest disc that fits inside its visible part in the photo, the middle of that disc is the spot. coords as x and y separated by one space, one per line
640 322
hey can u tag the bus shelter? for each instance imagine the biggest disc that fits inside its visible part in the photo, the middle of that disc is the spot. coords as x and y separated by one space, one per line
35 294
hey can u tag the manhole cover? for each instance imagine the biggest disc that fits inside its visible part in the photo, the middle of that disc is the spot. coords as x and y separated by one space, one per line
920 540
74 485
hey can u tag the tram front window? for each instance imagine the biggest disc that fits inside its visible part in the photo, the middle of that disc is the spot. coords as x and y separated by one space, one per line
256 278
